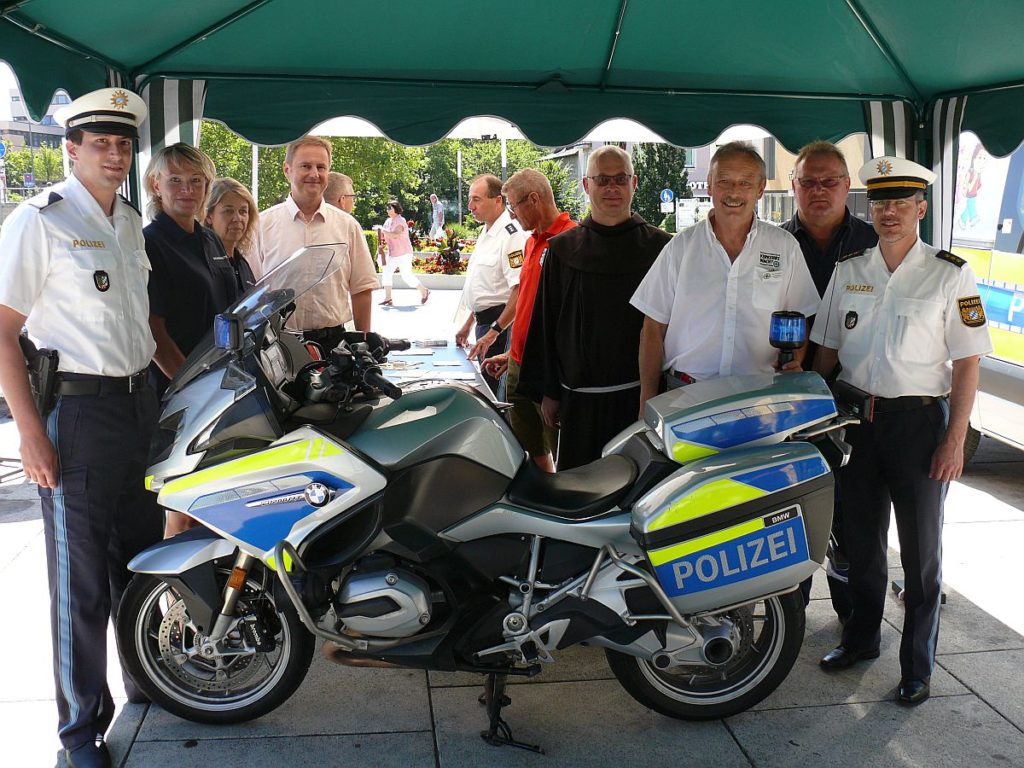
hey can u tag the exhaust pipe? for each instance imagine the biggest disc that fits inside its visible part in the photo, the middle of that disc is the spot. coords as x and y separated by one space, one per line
332 651
718 645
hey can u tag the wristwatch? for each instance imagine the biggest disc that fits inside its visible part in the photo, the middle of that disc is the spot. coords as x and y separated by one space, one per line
496 327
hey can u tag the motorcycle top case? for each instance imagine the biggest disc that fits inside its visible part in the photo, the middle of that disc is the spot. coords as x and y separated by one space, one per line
708 417
728 529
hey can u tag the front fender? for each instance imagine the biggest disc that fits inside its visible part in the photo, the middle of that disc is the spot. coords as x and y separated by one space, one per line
172 557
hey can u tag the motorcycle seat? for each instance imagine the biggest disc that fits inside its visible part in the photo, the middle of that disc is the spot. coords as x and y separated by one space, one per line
574 494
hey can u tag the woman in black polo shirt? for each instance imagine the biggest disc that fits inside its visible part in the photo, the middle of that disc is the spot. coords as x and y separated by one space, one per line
231 213
192 278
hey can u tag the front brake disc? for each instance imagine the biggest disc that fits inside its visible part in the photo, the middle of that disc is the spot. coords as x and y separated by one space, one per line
178 642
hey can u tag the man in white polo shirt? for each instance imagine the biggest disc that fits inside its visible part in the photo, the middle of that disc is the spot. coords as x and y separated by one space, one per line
709 297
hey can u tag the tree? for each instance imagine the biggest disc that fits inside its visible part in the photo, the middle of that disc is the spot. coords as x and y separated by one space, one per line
658 167
45 162
231 154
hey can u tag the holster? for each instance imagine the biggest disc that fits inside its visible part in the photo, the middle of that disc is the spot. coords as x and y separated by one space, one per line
42 374
860 403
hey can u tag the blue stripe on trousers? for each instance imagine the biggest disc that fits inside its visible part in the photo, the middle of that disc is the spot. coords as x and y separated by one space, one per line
65 645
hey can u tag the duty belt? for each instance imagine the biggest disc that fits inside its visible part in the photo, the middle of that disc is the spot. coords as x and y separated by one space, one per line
71 384
904 403
489 315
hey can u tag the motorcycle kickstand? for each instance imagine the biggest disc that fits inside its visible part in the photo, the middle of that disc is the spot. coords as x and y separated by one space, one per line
500 734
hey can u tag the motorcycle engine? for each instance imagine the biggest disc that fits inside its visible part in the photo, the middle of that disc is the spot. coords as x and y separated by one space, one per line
390 602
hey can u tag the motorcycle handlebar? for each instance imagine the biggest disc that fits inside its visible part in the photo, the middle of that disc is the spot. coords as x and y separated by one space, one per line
374 378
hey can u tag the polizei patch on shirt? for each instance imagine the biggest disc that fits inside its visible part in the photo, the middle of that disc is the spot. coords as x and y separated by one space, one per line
779 544
515 259
771 261
972 313
859 288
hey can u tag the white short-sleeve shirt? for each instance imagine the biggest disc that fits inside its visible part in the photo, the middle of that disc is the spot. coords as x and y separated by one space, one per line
80 278
494 265
898 333
718 312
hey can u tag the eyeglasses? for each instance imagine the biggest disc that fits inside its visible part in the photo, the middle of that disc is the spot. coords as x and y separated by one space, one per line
900 205
620 179
826 182
353 196
512 206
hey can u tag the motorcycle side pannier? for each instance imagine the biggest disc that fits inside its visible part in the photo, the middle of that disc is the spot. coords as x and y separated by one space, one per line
731 528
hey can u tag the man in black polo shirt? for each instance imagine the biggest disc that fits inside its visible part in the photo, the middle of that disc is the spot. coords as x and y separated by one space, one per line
826 230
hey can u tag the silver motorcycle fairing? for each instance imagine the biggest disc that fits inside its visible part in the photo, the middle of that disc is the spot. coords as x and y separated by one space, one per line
259 499
172 557
199 404
504 517
428 423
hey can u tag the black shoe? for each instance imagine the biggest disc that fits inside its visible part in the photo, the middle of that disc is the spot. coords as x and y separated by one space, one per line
89 755
841 658
912 691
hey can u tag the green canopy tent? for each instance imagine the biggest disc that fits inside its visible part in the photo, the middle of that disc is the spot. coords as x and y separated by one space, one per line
912 74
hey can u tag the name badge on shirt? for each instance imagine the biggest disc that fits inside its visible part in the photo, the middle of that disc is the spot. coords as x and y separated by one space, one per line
773 275
770 261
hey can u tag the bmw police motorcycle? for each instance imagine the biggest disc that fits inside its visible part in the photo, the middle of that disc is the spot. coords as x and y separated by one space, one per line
409 528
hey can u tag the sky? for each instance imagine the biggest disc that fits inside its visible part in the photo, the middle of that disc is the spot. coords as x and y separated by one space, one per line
7 81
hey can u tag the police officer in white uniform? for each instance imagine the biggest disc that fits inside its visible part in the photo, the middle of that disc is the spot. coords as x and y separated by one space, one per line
905 322
491 289
73 270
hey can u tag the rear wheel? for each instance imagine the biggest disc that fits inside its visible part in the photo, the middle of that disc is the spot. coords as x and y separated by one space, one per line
770 633
257 666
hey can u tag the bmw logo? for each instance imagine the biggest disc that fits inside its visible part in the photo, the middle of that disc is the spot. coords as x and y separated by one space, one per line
317 494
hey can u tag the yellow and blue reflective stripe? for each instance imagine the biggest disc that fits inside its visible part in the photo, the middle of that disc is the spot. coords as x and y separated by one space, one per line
745 425
675 551
703 500
282 455
721 494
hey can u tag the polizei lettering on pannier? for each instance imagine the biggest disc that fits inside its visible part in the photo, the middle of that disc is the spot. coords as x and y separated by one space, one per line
776 541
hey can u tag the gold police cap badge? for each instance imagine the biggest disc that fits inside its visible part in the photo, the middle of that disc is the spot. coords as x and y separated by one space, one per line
884 167
119 99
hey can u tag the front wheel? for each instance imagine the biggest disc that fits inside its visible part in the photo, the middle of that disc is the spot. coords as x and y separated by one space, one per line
770 633
257 666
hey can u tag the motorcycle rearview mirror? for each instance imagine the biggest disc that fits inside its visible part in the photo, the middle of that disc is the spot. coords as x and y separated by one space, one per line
227 332
788 332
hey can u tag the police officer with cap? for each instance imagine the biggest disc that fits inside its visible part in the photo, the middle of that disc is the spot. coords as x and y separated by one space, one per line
73 270
906 324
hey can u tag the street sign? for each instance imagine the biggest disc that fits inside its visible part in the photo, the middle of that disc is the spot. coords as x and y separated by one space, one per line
3 149
667 196
668 207
29 180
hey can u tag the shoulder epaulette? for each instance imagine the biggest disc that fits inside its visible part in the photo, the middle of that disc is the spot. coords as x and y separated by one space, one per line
129 203
952 258
853 255
511 228
41 204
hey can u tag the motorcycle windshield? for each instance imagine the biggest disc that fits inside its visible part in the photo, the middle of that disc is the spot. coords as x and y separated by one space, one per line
298 274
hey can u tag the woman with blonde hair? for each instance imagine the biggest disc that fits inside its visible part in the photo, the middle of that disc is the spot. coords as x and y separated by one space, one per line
231 213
